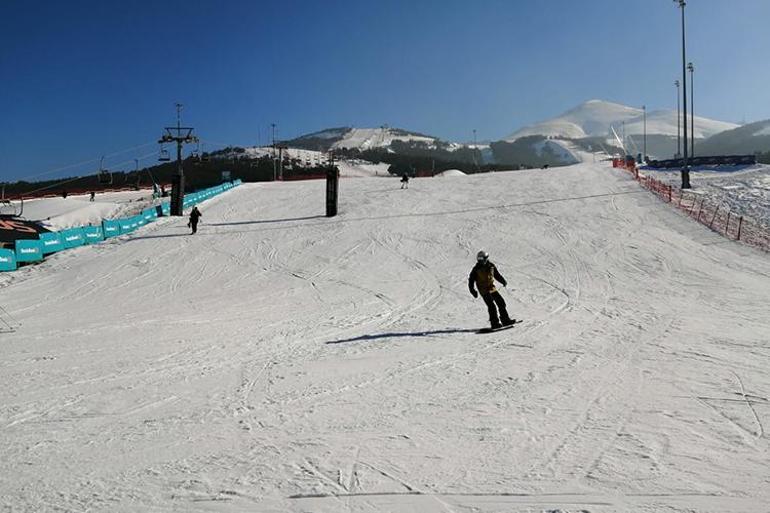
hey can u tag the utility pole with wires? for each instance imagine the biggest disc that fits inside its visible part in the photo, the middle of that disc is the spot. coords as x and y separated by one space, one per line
181 135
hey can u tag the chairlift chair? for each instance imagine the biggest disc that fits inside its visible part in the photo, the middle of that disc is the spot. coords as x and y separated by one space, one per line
163 157
104 176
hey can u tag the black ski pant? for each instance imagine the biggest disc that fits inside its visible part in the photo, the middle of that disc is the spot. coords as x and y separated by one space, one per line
194 225
492 299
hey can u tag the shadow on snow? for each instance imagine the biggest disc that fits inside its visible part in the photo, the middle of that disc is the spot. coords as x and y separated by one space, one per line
365 338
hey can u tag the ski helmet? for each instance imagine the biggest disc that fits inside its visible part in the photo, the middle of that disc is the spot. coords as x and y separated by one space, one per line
482 256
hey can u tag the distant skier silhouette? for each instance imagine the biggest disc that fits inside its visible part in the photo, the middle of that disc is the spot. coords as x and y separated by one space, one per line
195 216
405 181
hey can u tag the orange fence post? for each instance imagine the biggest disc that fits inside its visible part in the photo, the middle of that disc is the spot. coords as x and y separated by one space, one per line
711 224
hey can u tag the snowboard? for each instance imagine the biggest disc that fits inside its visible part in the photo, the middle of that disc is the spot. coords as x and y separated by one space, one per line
501 328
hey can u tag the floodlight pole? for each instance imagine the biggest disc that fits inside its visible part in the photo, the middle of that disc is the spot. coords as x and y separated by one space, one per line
691 69
685 167
678 123
180 135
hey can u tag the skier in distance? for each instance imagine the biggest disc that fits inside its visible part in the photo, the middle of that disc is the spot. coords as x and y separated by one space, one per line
483 276
195 215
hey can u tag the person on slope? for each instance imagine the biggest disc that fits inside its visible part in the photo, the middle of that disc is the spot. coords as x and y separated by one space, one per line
195 215
405 181
483 276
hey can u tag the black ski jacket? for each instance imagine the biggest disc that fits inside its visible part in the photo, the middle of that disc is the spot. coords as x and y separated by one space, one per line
483 276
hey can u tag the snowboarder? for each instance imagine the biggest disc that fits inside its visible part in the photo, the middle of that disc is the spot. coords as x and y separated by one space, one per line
483 276
93 195
195 215
405 181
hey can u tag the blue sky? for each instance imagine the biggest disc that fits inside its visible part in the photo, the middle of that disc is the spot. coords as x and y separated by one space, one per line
84 79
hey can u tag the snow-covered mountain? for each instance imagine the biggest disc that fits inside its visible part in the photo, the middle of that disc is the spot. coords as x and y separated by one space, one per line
594 124
746 139
361 138
596 118
663 122
589 119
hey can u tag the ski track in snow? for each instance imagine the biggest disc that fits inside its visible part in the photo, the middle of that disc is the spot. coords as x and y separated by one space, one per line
283 361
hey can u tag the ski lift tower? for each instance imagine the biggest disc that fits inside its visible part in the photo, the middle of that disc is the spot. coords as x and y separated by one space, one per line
180 135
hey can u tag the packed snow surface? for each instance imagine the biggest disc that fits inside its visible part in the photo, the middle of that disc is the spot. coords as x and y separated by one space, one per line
77 210
744 190
280 360
451 172
361 168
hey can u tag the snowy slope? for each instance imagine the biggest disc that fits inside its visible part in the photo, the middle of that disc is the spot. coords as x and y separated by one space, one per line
360 138
746 190
764 130
663 122
77 210
746 139
591 118
595 117
367 138
284 361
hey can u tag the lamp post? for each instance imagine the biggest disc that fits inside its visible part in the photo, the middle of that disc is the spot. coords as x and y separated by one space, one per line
678 124
685 169
275 171
691 69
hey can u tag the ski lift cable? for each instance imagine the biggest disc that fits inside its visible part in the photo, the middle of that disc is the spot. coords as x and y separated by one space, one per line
70 180
85 162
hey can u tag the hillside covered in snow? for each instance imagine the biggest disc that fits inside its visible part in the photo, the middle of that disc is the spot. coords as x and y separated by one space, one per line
608 127
280 360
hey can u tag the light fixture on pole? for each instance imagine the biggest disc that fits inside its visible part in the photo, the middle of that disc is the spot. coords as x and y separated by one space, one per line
691 69
685 167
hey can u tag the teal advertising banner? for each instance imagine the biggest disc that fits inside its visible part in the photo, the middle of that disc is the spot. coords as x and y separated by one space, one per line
110 228
7 260
125 225
29 250
93 234
73 238
52 242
